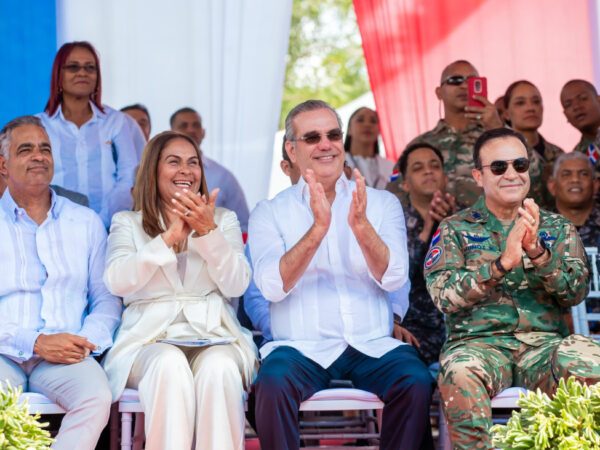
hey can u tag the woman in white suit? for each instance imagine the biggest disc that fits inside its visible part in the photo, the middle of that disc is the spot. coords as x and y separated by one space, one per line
176 260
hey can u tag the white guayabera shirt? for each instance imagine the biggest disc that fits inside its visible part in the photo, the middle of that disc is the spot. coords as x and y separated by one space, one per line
337 302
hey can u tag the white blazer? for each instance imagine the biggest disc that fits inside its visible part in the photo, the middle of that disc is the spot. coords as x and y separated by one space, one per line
143 270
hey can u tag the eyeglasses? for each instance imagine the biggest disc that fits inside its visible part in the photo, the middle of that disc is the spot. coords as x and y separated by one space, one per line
74 68
521 165
312 137
455 80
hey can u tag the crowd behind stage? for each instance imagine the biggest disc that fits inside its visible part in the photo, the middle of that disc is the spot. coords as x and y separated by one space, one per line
454 268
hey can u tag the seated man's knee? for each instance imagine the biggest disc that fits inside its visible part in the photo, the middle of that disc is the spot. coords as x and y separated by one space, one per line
578 356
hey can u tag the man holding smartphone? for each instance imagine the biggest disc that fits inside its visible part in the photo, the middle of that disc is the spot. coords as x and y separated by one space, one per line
455 134
502 271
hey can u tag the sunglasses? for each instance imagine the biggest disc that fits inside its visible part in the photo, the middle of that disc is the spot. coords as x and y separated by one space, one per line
75 68
312 137
521 165
455 80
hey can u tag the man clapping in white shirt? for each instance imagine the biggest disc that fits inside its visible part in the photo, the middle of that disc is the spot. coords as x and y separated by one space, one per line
326 252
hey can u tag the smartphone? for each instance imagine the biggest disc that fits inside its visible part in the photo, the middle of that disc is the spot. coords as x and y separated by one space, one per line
476 86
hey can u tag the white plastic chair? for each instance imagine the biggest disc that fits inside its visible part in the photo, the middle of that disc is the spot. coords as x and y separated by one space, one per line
343 399
336 399
40 404
581 317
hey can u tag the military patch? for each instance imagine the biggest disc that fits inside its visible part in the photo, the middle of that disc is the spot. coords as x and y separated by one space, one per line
475 238
475 215
433 256
435 238
546 236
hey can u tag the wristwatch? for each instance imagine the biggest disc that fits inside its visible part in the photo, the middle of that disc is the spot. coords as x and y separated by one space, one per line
499 266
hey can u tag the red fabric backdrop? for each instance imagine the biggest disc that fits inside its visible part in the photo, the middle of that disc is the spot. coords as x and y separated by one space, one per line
407 43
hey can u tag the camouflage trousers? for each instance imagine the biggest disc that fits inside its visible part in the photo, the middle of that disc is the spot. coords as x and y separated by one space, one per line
474 371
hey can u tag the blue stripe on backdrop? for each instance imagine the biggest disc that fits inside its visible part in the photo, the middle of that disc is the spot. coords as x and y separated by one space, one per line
27 49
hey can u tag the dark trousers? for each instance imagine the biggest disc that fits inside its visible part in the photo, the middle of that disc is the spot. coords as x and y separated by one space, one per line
399 378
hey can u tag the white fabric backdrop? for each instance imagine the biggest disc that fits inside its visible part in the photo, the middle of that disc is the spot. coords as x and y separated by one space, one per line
225 58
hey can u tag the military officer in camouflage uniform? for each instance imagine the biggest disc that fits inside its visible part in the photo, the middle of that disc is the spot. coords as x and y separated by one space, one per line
422 169
574 188
456 133
501 271
581 106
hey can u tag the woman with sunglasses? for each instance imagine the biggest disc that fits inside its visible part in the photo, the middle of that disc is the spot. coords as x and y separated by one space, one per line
177 260
362 148
525 112
95 148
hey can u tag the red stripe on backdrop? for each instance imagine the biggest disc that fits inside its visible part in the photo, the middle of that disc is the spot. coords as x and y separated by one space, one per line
407 43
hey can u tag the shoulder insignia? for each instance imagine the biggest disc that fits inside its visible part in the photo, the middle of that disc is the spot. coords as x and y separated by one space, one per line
432 257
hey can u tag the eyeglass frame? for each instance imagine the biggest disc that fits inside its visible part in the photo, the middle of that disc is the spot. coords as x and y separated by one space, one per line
462 77
314 134
74 68
508 162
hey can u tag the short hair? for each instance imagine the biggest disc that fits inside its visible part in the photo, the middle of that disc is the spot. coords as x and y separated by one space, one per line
567 157
63 53
308 105
137 106
185 109
586 83
403 161
491 135
348 140
510 89
6 132
145 190
458 61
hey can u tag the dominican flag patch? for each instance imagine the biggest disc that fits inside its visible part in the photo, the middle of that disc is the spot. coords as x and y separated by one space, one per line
593 154
435 238
395 174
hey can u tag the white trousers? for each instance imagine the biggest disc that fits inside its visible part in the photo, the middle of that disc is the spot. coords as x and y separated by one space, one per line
187 393
81 389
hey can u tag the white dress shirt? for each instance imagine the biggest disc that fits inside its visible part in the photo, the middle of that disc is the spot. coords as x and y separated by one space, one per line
97 160
51 277
337 302
231 195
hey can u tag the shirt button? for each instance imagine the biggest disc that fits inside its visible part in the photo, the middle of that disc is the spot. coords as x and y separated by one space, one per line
20 353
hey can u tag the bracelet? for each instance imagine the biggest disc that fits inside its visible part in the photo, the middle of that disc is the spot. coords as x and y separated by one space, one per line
542 253
499 266
397 319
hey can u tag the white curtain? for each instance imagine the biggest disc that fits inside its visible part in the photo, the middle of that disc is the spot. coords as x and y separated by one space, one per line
224 58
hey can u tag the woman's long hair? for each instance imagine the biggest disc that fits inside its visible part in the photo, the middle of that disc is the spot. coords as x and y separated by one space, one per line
348 140
146 197
63 53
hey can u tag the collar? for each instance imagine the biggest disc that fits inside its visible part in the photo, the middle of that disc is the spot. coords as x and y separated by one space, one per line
96 113
302 192
14 211
479 213
444 127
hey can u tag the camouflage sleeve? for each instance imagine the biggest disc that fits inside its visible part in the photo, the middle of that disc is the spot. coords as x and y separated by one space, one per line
452 283
565 275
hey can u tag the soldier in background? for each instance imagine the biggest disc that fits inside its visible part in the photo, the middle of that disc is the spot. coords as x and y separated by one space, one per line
455 134
502 271
581 106
422 169
574 188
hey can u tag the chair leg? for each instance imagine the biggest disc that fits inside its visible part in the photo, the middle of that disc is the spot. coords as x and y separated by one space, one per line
114 426
139 432
379 419
126 419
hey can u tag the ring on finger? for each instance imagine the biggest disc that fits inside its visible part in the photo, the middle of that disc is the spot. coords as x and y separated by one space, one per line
187 213
478 116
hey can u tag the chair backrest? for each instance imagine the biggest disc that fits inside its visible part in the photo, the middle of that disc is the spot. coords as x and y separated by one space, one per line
581 316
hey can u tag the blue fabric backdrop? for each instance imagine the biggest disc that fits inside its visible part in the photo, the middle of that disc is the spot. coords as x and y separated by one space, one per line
27 46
